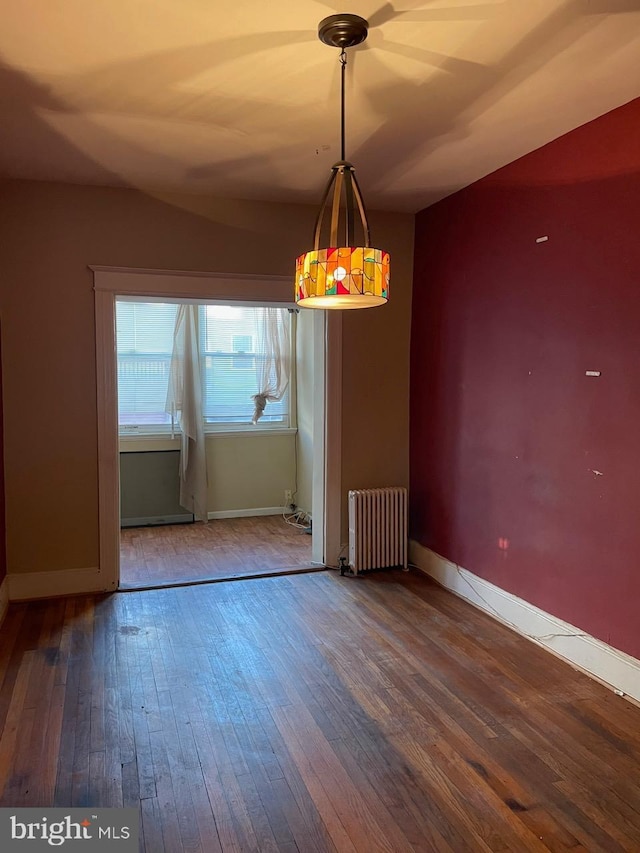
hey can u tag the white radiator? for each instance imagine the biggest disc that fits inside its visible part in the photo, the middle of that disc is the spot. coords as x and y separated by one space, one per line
377 528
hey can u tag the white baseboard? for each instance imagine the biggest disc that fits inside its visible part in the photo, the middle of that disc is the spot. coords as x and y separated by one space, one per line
23 587
4 599
611 666
247 513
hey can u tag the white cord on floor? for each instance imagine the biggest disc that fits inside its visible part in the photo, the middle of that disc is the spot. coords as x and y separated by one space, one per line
297 519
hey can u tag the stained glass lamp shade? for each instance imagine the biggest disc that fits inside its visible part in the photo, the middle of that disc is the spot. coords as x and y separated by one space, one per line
348 273
343 277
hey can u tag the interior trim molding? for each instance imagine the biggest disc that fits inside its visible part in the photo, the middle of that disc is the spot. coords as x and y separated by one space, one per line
321 446
129 441
614 668
200 286
4 598
331 427
110 282
108 444
228 276
29 585
247 513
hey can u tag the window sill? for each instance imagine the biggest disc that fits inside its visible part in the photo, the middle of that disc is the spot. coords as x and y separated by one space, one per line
130 440
250 432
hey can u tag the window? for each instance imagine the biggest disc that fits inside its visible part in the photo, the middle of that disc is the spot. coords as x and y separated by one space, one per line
230 357
229 342
144 333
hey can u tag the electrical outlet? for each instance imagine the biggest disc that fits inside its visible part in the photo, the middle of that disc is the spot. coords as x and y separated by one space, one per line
288 497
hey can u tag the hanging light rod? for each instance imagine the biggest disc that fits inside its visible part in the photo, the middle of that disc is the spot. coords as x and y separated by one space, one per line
345 274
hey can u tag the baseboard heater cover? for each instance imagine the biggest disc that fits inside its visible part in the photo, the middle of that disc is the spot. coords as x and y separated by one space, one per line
150 489
157 520
377 528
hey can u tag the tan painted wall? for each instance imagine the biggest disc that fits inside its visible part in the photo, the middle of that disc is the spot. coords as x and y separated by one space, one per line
249 472
375 377
50 232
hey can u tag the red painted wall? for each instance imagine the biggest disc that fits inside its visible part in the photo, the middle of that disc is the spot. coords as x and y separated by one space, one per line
3 551
523 469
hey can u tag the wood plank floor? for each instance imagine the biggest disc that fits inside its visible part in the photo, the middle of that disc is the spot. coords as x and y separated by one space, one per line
313 713
223 548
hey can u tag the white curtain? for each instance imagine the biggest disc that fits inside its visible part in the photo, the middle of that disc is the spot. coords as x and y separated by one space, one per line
272 372
184 404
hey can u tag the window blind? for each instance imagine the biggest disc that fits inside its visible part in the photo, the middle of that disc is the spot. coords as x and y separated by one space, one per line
232 352
144 334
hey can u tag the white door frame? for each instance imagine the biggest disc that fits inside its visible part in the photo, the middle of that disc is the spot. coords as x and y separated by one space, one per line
110 282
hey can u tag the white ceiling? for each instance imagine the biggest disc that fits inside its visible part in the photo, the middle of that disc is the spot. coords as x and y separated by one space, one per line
241 99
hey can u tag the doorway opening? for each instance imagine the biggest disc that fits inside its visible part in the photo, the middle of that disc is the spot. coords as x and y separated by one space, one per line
257 497
317 442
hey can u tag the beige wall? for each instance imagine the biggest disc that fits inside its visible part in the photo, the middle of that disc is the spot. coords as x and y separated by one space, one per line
375 376
50 233
245 473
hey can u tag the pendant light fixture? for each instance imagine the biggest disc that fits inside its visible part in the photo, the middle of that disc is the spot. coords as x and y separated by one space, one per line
347 273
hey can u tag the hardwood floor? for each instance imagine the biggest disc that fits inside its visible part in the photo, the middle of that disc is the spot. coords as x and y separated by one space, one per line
223 548
313 713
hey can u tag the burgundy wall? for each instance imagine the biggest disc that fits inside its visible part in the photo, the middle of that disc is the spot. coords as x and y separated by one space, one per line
3 552
507 431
